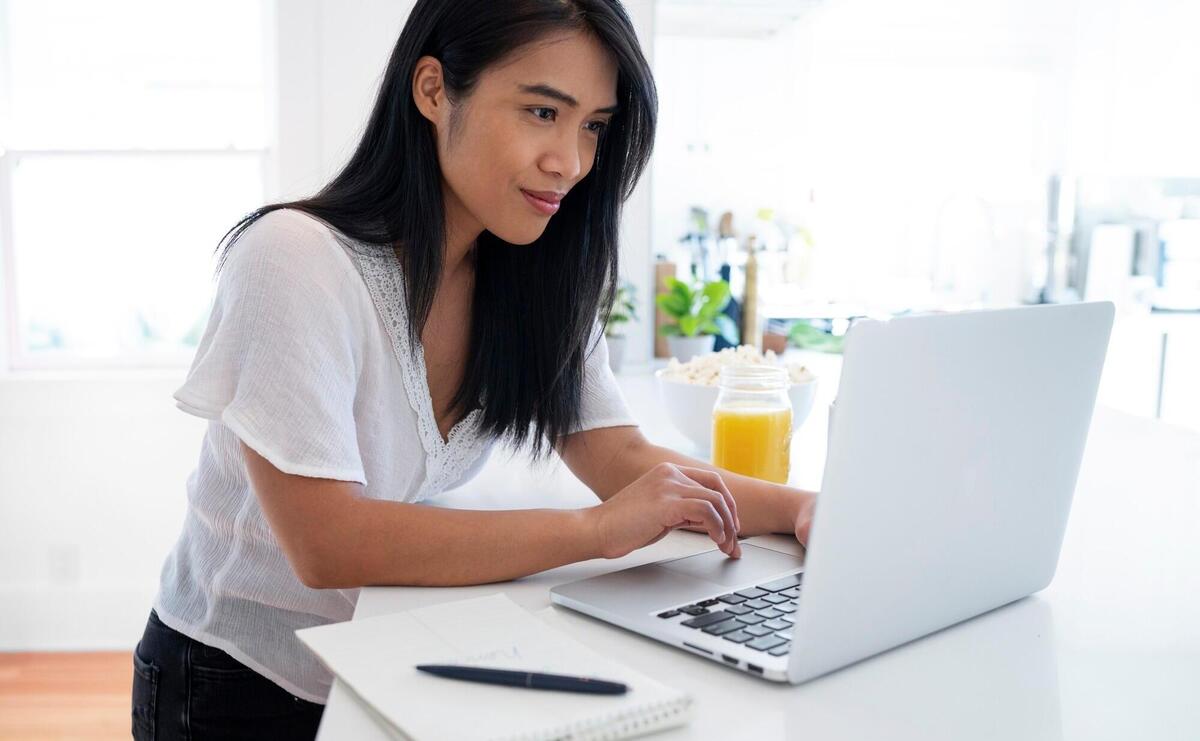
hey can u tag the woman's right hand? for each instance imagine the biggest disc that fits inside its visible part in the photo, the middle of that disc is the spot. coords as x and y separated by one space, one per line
666 497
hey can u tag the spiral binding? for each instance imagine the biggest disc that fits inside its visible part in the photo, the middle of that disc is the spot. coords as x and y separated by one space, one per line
625 724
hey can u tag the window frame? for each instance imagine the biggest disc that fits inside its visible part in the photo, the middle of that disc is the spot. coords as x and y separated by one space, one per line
13 356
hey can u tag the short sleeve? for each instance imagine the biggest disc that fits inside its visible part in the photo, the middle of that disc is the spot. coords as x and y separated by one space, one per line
603 404
279 360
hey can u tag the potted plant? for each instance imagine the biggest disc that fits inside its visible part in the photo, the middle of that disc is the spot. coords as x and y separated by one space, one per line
624 310
697 317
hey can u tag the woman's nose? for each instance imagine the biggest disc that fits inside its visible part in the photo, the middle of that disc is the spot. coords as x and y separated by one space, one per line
564 158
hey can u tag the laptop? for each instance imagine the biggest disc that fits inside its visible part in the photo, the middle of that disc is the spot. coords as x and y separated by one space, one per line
952 460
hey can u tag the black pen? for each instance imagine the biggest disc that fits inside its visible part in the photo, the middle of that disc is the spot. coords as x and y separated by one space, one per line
532 680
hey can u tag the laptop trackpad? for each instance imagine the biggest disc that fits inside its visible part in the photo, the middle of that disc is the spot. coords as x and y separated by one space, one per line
756 564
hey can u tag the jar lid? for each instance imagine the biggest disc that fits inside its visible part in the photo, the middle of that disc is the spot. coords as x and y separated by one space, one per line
754 377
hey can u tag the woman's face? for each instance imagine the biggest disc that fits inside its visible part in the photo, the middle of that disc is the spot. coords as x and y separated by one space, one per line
532 124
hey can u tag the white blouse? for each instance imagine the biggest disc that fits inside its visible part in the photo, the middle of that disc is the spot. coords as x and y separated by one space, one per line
306 360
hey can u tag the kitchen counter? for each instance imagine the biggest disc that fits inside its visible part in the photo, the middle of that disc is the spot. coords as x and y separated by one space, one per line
1110 650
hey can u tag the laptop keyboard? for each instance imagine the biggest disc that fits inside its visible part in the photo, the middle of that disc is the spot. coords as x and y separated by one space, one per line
757 617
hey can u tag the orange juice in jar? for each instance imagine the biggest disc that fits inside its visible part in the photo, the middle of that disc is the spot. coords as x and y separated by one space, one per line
752 422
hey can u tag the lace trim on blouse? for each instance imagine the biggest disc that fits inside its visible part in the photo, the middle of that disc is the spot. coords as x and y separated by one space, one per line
446 460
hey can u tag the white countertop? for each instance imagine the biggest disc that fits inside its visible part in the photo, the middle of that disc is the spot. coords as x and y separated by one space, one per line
1110 650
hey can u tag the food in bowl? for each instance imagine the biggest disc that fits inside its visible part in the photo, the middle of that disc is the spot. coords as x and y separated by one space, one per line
705 370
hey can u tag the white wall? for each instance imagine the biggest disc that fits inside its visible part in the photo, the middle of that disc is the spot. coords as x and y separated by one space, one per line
93 465
92 473
637 220
330 63
1134 88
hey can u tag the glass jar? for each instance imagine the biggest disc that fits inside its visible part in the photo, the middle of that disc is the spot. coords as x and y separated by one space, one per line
752 422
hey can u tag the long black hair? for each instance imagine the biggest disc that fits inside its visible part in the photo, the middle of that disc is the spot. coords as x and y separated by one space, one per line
535 306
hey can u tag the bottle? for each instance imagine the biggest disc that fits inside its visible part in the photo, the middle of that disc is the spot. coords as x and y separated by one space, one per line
751 328
733 310
752 422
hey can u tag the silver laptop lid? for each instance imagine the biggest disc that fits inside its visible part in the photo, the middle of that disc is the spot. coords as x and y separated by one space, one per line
952 462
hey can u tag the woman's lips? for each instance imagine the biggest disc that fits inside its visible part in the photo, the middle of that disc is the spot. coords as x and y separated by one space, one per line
543 206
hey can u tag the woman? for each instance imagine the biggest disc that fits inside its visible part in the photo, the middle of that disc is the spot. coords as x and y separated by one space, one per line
369 345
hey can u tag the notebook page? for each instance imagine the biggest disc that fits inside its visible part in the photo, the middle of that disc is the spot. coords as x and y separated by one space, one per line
376 658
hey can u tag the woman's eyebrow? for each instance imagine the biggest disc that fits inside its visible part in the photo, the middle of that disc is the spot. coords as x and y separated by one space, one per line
551 92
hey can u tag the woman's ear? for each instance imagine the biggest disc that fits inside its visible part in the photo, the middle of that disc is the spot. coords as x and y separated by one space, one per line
428 91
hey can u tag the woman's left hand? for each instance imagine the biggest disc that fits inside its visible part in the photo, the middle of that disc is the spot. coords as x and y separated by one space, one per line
802 515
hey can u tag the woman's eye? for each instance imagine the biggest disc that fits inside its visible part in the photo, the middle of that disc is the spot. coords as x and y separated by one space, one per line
549 114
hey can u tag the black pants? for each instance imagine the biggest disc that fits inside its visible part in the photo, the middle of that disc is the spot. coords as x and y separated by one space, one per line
185 689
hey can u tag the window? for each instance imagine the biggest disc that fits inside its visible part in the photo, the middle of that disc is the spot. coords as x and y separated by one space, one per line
133 135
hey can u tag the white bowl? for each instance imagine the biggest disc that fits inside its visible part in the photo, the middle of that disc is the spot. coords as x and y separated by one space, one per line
689 406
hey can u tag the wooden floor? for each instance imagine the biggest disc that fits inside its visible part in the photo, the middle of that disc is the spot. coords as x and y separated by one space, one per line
63 696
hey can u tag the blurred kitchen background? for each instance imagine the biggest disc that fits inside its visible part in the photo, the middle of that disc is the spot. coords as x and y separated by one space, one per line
883 157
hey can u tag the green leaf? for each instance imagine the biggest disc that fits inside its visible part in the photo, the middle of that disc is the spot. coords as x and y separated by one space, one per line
676 286
689 325
717 292
716 298
672 304
683 291
669 330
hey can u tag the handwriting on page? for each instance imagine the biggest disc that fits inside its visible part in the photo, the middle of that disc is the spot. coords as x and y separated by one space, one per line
511 657
511 652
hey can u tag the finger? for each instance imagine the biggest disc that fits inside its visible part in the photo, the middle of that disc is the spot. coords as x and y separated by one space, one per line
701 512
716 482
695 491
728 543
692 489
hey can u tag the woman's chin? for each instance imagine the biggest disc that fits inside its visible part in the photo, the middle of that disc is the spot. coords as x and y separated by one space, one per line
526 235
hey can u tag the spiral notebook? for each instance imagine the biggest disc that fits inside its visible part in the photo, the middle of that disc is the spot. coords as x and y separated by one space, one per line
375 658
